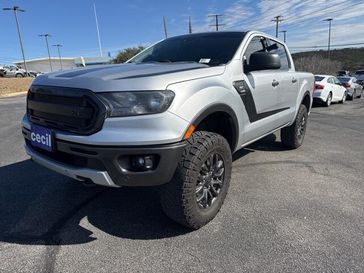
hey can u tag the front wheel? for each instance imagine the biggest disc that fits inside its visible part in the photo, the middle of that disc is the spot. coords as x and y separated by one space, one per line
201 181
328 100
344 98
293 135
18 75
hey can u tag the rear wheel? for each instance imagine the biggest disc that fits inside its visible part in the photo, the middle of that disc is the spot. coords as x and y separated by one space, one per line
19 75
328 100
201 181
293 135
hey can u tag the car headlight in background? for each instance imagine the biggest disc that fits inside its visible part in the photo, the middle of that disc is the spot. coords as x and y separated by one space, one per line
135 103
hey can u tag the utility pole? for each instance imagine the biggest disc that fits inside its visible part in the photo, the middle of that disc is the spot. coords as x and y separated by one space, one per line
189 25
59 54
329 42
16 9
46 35
216 25
165 27
284 35
98 30
277 19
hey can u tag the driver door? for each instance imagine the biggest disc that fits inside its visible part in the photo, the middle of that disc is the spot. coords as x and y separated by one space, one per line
261 94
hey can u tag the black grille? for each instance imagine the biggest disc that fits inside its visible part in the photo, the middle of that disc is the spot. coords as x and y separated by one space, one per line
67 109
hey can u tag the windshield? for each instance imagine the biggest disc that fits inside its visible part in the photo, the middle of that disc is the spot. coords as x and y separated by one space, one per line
319 78
360 72
205 48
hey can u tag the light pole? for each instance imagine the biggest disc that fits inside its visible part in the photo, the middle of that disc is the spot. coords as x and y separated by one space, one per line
98 30
46 35
165 27
59 54
329 42
16 9
284 35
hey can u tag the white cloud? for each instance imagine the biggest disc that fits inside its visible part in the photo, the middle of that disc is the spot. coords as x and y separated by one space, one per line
303 19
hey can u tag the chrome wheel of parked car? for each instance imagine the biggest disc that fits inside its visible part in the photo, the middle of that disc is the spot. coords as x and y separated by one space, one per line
344 98
210 181
329 100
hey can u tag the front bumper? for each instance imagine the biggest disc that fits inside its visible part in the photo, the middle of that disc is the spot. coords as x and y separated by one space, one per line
107 165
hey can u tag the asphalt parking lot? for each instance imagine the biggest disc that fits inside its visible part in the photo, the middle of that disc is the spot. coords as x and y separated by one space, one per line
286 211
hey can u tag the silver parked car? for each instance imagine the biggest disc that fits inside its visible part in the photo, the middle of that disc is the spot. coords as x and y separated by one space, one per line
353 89
359 75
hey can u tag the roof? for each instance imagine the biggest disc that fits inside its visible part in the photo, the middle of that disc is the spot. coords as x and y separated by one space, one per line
237 34
44 59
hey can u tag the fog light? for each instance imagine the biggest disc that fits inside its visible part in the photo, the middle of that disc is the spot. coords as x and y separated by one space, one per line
143 163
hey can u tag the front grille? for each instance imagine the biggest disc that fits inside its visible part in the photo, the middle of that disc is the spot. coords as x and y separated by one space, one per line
67 109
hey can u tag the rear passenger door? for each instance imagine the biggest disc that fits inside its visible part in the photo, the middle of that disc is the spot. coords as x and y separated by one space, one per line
260 93
288 88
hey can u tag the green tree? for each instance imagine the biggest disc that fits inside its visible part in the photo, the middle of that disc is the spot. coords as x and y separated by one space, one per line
127 53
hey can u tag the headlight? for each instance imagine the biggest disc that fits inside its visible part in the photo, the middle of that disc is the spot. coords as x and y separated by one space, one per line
123 104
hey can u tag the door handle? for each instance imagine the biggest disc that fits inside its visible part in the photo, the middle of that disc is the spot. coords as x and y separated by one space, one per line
294 80
275 83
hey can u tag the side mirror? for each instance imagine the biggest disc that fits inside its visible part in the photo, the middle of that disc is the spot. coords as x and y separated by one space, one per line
264 61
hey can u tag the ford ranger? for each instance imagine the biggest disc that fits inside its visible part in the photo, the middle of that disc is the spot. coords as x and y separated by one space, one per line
172 117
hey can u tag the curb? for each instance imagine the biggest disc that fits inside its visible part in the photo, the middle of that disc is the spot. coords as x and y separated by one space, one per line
13 94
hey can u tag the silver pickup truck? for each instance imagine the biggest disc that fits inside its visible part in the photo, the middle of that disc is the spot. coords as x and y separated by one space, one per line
171 117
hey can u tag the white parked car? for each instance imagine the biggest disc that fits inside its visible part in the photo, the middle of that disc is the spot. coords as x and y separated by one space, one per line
328 89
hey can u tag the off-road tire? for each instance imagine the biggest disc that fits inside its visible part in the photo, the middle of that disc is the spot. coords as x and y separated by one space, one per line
178 197
290 135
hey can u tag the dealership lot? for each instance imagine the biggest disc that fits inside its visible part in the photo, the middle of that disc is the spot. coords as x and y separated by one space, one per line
287 210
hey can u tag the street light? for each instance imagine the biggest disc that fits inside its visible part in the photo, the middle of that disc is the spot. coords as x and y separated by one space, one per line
59 54
46 35
284 35
16 9
329 42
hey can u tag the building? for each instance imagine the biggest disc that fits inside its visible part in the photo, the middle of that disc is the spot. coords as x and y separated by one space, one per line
42 64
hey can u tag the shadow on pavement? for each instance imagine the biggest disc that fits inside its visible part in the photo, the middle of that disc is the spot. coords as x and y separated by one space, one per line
38 206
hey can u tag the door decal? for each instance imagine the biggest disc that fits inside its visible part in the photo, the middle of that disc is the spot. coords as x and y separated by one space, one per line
248 100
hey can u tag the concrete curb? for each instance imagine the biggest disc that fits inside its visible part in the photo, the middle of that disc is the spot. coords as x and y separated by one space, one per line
13 94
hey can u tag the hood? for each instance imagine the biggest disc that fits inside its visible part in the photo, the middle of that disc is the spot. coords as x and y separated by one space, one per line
128 77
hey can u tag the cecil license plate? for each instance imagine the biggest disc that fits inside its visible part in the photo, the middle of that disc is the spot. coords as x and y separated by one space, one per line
41 137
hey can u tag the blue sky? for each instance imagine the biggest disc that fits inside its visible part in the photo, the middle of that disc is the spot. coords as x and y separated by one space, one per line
139 22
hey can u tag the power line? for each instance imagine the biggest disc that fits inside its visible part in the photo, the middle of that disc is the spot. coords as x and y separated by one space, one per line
216 25
277 19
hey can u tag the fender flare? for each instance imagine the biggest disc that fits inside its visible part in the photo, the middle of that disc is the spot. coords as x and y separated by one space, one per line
220 107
